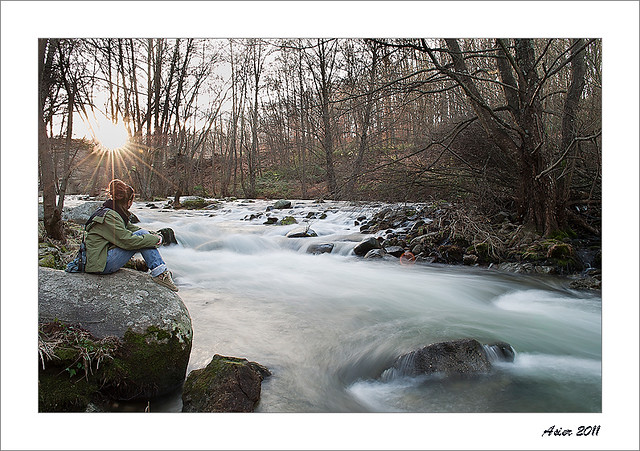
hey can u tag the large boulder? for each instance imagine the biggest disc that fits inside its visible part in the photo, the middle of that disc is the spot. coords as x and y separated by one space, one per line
148 324
81 213
459 357
226 384
78 214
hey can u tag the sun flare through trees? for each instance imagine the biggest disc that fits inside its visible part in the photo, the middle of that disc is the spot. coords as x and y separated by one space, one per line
111 136
361 119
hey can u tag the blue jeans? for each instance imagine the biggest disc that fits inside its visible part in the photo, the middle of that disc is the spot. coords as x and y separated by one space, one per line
117 258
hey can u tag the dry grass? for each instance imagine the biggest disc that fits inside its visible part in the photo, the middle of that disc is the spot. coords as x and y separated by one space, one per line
57 341
474 229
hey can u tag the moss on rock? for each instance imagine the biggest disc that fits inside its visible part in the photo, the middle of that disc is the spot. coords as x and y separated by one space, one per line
48 261
76 368
147 364
196 203
70 367
226 384
59 392
287 220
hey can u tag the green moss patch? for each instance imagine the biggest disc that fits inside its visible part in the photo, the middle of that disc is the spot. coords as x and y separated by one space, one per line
226 384
196 203
76 368
147 364
60 393
288 220
71 361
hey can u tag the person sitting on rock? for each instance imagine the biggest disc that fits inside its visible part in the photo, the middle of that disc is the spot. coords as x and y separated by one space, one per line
112 240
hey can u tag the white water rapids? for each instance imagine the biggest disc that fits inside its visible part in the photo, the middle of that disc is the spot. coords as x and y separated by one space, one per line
328 325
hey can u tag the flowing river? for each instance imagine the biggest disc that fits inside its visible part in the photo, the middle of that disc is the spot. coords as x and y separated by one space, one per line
328 325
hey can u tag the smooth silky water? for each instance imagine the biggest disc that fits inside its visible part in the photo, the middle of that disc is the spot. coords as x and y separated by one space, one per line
327 326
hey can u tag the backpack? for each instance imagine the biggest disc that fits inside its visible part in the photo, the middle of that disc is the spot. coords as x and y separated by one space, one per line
80 261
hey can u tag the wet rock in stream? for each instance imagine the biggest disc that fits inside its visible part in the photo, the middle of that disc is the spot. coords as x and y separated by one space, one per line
459 357
226 384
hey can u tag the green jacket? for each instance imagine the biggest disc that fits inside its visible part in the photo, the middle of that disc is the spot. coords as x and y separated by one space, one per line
109 231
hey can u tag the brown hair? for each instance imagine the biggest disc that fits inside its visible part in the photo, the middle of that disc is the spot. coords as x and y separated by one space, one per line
120 192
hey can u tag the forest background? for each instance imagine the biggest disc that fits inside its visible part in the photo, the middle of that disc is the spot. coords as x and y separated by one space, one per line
616 22
502 124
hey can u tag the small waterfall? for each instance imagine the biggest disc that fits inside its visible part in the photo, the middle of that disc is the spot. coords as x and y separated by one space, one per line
500 352
404 366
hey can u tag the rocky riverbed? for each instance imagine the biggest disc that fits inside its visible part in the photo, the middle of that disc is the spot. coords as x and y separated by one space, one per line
433 233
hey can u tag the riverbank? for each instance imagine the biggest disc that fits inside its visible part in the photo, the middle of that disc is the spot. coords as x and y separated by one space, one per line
454 235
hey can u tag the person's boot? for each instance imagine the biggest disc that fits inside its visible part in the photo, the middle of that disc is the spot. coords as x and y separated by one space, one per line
165 280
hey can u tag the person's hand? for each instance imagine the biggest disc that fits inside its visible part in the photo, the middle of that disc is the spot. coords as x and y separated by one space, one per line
159 240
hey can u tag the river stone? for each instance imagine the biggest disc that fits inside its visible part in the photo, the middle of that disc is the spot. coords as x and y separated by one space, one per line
466 356
150 321
396 251
365 246
301 232
168 236
226 384
316 249
281 204
287 220
375 253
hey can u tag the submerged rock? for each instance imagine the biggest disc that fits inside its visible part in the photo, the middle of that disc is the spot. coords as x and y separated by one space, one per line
325 248
149 322
226 384
460 357
194 203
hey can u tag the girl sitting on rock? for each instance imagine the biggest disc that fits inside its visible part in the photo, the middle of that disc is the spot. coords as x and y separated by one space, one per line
112 240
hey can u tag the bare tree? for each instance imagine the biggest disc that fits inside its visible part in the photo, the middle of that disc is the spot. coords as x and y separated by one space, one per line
363 109
522 132
52 215
322 63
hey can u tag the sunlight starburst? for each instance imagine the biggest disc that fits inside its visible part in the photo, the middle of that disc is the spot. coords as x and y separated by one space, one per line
111 136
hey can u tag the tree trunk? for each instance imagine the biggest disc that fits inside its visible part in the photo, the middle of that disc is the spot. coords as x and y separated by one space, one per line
536 195
568 144
366 122
66 165
327 142
52 216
